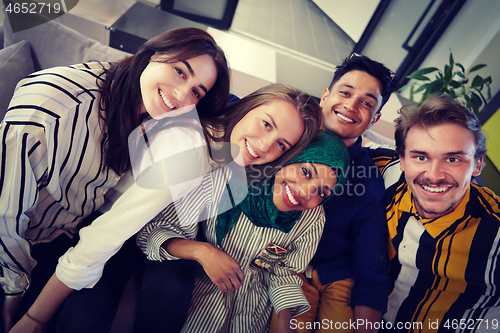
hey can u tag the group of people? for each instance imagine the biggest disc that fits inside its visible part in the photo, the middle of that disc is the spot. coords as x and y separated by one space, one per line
238 215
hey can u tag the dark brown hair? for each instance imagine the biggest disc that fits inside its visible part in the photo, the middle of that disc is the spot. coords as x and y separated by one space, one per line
121 93
357 62
435 110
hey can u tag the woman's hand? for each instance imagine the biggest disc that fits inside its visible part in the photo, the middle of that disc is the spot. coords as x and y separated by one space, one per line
221 268
27 325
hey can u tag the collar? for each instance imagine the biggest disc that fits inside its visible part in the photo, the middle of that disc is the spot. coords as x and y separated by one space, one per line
434 226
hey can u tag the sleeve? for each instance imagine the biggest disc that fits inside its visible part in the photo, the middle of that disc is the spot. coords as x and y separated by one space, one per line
18 193
283 284
25 162
82 266
383 156
370 259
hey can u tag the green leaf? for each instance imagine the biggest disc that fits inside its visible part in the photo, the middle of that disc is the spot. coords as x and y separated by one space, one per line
435 87
476 68
456 83
475 98
476 102
418 77
421 88
477 82
482 97
468 100
448 70
424 71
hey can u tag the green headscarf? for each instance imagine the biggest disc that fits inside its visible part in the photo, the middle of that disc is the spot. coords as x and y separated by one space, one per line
258 205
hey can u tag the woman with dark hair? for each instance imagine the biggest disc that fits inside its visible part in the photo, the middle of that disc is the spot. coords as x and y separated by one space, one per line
268 125
65 140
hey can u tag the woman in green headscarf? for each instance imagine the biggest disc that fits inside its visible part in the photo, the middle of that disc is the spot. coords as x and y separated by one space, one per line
254 251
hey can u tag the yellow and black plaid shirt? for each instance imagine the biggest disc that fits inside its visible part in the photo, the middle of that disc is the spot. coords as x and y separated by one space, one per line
446 271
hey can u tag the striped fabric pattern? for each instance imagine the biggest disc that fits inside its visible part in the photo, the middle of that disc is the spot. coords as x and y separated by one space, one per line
445 270
249 308
50 163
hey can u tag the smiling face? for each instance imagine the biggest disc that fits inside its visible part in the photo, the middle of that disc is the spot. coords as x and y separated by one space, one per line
349 109
267 132
438 164
302 186
169 86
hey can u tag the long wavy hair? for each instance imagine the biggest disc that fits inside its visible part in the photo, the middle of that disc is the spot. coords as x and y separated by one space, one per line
309 110
120 90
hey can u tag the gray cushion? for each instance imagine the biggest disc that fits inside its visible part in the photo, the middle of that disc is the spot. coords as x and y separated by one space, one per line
15 64
54 44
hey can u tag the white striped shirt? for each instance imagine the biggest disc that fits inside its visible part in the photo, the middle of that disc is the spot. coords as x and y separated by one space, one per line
50 160
247 309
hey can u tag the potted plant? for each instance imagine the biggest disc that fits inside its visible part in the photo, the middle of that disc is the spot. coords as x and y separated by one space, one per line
456 83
